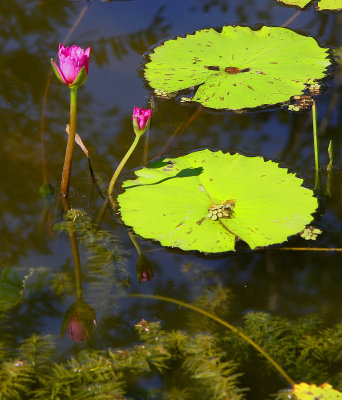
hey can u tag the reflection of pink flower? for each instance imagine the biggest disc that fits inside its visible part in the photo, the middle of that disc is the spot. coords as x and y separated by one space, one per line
79 320
73 65
144 269
146 276
76 330
141 119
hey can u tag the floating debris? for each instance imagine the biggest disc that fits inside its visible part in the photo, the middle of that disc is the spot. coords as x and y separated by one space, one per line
310 233
224 210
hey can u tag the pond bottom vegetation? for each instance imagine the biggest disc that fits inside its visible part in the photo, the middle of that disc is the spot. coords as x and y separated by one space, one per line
205 365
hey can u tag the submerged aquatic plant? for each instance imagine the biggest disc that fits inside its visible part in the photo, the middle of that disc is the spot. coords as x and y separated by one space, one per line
238 67
207 200
209 363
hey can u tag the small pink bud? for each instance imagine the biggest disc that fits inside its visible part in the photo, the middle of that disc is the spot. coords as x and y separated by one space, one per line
141 120
73 65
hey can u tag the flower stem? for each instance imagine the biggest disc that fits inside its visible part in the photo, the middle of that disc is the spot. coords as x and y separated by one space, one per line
70 144
121 165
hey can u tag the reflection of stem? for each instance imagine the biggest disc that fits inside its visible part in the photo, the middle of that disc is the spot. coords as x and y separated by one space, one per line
70 143
121 165
147 135
102 211
338 249
42 128
316 146
225 324
331 156
77 264
317 184
75 253
268 49
329 168
136 245
272 291
180 130
291 19
145 157
78 20
314 129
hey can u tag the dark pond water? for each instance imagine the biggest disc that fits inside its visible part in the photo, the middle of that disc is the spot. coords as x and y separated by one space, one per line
284 283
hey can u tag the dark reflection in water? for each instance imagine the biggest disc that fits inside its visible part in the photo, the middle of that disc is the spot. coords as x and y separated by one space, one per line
286 283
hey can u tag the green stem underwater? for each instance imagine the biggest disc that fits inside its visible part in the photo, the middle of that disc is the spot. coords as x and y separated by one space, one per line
224 323
70 143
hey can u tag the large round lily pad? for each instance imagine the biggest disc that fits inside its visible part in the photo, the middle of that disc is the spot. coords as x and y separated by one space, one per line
205 200
238 67
332 5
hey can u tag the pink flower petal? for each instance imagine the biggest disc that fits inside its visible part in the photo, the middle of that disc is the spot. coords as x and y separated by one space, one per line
142 116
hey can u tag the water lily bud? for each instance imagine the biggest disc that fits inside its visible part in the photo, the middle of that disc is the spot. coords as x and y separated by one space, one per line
73 65
144 269
141 120
79 320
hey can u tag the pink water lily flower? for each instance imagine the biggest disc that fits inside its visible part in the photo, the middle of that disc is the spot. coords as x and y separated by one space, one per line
141 120
73 65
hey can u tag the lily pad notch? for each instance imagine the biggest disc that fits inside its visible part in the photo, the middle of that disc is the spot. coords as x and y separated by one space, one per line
238 67
207 200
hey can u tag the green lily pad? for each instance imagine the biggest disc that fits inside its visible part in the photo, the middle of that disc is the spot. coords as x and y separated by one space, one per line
176 201
321 4
334 5
238 67
297 3
305 391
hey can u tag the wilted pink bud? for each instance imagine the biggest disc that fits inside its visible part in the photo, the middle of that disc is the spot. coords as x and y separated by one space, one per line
73 65
141 120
